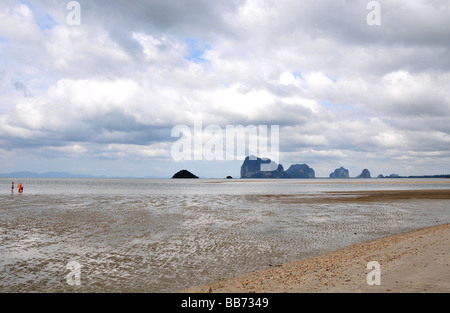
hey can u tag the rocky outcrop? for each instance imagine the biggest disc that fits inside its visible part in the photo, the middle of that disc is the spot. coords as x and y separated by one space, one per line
265 168
184 174
364 174
300 171
261 168
340 173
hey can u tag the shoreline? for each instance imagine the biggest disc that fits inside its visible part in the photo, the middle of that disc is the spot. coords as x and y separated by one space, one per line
414 261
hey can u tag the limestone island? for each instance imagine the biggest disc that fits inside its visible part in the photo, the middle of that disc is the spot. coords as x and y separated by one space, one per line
254 167
364 174
340 173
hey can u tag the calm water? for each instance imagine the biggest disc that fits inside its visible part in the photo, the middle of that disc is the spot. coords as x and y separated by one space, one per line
160 235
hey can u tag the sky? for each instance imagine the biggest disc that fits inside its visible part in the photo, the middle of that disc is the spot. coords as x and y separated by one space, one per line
99 90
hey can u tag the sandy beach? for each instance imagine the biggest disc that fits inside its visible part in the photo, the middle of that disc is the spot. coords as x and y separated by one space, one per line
273 236
417 261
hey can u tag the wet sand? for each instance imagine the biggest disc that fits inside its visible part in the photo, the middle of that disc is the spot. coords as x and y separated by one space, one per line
417 261
165 242
362 196
387 195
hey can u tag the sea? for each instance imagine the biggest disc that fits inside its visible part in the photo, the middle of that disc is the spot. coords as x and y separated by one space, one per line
164 235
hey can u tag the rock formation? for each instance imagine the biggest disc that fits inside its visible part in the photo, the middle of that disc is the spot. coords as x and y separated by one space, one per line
184 174
364 174
340 173
265 168
300 171
261 168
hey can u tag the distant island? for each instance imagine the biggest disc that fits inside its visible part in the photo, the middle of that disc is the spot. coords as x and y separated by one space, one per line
251 168
364 174
45 175
340 173
255 167
26 174
300 171
422 176
184 174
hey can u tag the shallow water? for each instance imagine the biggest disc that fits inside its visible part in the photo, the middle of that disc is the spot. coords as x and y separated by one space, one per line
161 235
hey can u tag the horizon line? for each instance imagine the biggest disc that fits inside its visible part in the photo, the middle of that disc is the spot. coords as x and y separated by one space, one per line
30 174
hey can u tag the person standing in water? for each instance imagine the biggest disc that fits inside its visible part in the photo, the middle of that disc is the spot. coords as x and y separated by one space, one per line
12 187
20 187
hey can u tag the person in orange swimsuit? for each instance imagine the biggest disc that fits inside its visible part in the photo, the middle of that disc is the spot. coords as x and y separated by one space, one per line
20 187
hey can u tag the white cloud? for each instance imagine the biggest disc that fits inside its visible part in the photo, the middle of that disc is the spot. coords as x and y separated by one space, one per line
17 23
338 88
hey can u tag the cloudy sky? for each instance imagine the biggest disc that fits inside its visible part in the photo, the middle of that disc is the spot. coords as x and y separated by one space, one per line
102 97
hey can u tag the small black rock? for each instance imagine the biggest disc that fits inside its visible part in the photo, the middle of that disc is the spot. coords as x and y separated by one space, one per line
184 174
